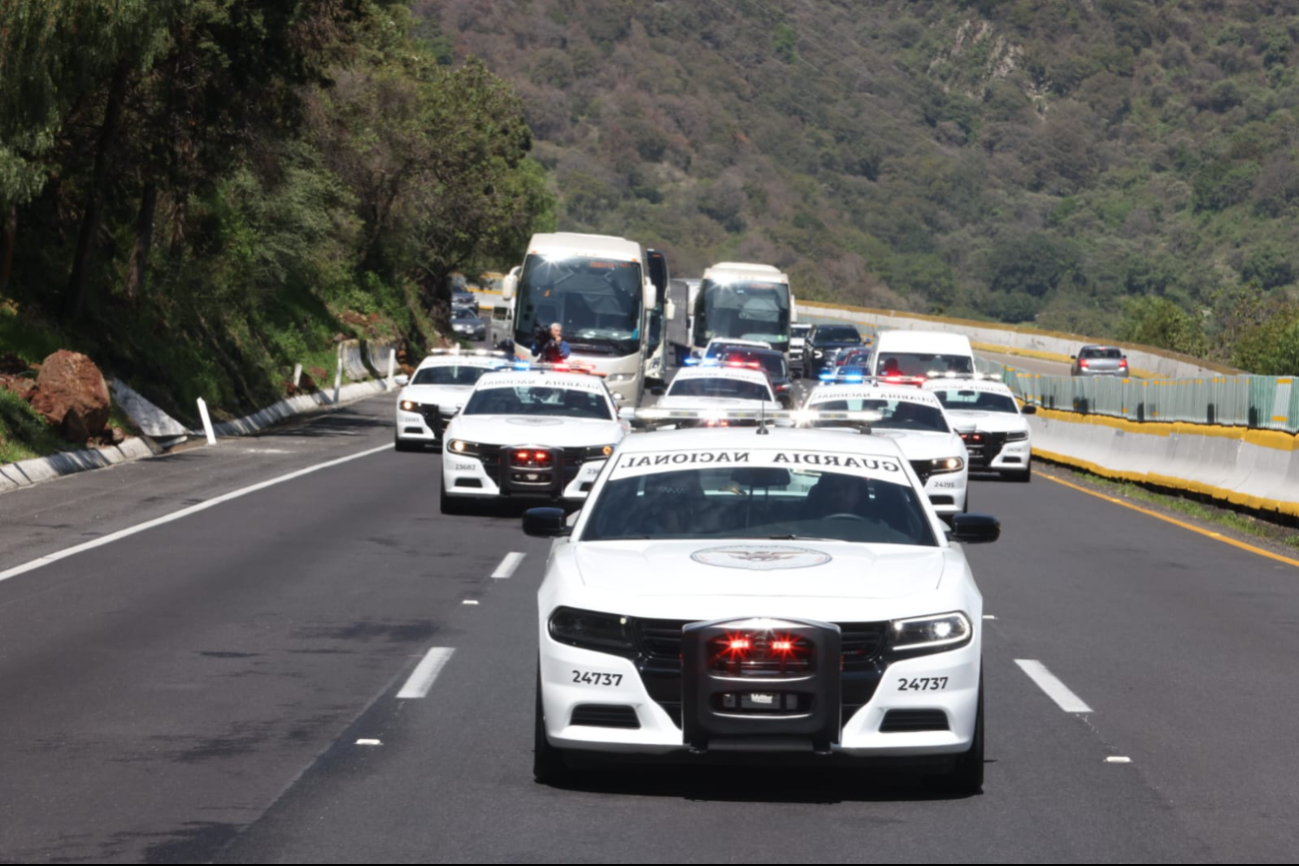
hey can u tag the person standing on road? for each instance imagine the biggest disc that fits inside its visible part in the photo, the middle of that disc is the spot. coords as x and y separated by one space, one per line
551 348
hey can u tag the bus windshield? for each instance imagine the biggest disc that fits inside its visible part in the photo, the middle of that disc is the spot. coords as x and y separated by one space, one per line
597 301
746 310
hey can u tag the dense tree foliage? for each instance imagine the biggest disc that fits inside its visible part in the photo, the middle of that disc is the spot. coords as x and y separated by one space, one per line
255 175
1036 161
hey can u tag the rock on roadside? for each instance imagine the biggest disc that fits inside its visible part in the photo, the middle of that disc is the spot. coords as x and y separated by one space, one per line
71 394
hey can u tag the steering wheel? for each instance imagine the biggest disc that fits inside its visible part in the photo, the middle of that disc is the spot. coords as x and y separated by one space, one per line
845 515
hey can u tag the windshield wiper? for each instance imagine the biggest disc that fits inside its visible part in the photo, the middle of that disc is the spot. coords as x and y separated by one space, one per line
594 348
799 538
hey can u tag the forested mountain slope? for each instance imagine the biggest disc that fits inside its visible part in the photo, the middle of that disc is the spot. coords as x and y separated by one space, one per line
1050 161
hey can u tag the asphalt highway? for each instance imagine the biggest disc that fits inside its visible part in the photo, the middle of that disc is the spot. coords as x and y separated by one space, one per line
223 687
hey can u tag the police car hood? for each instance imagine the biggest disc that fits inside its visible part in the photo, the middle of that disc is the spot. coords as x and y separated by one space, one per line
438 395
697 568
557 432
922 445
990 422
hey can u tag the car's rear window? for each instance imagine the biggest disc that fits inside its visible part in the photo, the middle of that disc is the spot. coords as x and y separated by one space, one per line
719 386
759 502
898 414
773 364
1106 354
922 364
981 401
448 374
561 402
837 335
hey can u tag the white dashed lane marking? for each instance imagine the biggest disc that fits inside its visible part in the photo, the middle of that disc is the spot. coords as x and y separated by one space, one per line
508 565
421 680
1054 688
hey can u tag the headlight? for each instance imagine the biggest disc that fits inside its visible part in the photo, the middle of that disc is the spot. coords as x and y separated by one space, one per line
1017 437
620 377
460 446
606 632
597 452
943 631
946 464
409 406
817 353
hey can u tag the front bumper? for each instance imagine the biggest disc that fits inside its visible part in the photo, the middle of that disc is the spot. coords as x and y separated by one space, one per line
488 477
947 491
652 688
425 425
992 452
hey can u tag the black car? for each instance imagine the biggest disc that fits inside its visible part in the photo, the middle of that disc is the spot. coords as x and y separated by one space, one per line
464 298
770 362
822 344
466 324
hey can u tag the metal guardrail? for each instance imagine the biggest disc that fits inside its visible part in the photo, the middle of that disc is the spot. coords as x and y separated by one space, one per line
1260 402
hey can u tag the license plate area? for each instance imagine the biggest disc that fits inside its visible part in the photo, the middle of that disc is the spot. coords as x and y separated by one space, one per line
760 679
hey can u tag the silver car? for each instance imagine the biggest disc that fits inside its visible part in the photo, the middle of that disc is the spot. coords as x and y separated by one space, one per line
1099 361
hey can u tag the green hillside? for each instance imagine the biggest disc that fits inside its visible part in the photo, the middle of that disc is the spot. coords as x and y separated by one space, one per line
1103 166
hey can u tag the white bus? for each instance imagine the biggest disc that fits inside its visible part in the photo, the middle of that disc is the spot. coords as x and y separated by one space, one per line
598 289
746 302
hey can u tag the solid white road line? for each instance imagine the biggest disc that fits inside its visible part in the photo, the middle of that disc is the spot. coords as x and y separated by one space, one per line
421 680
177 515
508 564
1055 690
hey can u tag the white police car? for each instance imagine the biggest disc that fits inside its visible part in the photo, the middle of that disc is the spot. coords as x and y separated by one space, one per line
717 386
529 434
739 591
995 429
440 386
914 418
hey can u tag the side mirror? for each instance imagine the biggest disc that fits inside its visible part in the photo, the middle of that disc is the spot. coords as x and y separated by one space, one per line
1029 409
401 379
545 523
649 295
1073 357
627 413
510 284
969 528
658 390
669 309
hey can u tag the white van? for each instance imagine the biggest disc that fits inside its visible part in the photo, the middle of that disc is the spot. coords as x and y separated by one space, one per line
922 354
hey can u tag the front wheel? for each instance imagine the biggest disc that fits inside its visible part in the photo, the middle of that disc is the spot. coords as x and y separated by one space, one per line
548 764
966 776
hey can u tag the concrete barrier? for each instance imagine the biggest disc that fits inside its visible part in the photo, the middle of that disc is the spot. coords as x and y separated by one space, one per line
1046 345
25 473
1256 469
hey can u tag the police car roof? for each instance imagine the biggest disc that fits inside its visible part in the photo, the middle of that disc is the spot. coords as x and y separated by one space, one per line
837 391
540 379
465 360
747 438
957 384
721 371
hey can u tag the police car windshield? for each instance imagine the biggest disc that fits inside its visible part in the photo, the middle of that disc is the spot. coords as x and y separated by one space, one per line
977 401
898 414
719 386
448 374
759 502
537 400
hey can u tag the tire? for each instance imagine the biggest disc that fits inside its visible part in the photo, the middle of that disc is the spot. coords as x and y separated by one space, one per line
966 776
548 764
965 509
400 445
452 505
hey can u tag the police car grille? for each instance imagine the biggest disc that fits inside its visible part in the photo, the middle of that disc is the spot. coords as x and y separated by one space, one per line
861 645
985 450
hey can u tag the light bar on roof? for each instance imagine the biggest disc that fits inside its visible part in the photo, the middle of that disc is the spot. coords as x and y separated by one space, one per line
791 417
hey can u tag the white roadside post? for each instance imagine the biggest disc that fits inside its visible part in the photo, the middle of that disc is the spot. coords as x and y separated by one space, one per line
392 367
338 375
207 421
297 376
